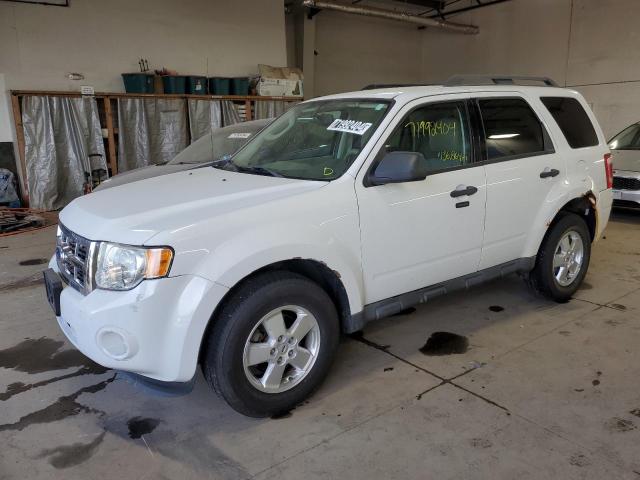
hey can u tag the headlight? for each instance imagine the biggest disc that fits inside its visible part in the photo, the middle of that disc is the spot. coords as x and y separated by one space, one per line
122 267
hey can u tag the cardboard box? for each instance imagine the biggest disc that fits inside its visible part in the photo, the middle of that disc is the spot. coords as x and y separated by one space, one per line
280 81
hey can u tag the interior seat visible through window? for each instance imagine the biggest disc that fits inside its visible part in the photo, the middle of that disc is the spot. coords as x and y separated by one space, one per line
438 131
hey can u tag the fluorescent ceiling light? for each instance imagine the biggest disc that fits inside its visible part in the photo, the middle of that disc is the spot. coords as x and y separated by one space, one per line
500 136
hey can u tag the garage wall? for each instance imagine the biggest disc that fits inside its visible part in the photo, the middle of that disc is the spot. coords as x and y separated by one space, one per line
591 45
353 51
6 130
101 39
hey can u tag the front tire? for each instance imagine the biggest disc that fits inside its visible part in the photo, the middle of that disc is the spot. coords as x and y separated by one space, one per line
563 258
272 344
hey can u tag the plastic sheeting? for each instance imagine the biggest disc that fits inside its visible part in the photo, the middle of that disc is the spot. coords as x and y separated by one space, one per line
59 133
207 115
270 108
152 131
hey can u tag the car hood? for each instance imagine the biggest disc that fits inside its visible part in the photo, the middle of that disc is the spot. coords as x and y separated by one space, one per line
627 160
143 173
135 212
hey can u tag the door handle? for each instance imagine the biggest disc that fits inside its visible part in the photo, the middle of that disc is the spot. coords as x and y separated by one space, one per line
549 173
461 191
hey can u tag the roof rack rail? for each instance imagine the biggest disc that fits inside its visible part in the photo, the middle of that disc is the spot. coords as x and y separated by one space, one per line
375 86
462 80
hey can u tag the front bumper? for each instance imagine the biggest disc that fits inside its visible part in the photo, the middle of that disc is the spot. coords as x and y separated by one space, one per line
154 330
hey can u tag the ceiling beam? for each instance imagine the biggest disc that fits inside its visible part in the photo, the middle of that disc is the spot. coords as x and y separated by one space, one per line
356 9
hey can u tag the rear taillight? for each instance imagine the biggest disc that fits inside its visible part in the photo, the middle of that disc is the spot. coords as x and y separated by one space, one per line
608 168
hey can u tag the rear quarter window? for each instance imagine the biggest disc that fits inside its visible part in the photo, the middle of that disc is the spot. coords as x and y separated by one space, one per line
572 120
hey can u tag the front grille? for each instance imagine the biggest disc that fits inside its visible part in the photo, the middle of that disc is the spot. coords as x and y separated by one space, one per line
74 256
624 183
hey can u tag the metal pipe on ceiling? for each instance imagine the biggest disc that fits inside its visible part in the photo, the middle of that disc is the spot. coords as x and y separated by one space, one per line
392 15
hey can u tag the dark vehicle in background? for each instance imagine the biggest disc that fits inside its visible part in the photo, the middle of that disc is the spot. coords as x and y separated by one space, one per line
625 151
210 148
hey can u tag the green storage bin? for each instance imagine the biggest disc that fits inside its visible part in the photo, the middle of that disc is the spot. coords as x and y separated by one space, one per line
138 82
240 86
175 84
196 85
220 86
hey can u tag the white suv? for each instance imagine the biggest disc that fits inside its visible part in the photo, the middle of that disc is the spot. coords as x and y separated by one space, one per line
345 209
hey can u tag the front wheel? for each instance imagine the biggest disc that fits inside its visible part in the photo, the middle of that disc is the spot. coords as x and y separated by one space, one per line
563 259
272 344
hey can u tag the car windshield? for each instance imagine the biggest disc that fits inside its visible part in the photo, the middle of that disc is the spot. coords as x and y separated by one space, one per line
312 141
628 139
221 142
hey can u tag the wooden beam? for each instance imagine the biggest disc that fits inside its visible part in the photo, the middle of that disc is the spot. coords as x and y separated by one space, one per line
17 119
111 141
247 110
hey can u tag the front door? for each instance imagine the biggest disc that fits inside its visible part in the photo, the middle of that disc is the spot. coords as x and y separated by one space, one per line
417 234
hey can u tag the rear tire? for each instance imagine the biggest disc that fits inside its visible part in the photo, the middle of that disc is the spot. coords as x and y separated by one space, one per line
563 258
272 344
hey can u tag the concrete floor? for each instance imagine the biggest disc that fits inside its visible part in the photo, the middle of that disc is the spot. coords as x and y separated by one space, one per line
542 391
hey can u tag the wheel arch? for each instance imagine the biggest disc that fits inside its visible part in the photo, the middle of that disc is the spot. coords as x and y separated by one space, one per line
316 271
580 203
585 207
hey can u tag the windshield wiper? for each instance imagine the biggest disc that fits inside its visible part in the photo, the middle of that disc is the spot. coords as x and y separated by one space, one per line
259 171
224 162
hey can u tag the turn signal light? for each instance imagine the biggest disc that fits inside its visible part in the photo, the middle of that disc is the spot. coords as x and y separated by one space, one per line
158 262
608 168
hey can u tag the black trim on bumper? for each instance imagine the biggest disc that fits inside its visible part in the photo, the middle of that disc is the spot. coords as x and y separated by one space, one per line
158 387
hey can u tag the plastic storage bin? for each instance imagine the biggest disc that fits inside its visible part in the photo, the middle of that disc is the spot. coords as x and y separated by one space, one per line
220 86
138 82
196 85
174 84
240 86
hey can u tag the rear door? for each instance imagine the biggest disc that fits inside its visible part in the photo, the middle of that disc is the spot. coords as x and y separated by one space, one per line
417 234
522 168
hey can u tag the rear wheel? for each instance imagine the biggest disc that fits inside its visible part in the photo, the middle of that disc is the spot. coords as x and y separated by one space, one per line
563 258
272 344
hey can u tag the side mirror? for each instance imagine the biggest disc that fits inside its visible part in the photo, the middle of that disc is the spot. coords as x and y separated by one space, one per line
399 167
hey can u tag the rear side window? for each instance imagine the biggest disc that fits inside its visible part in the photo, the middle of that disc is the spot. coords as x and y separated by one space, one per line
511 128
572 120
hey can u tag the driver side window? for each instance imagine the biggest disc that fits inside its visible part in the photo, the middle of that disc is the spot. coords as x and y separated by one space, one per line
439 131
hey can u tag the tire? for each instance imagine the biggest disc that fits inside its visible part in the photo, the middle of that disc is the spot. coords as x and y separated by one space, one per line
544 276
242 328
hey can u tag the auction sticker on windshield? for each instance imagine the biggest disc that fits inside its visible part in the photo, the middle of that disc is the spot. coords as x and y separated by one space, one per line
349 126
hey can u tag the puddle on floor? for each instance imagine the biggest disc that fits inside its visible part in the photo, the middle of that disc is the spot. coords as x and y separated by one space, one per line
66 406
65 456
406 311
445 343
139 426
34 261
37 355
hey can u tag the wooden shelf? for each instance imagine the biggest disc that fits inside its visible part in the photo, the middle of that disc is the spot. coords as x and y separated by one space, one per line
105 104
47 93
